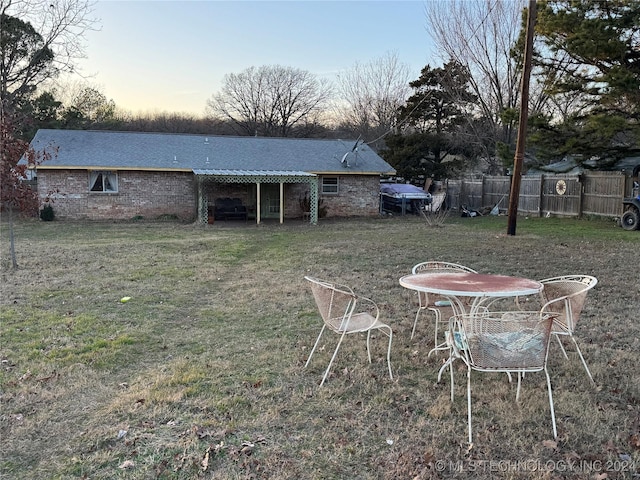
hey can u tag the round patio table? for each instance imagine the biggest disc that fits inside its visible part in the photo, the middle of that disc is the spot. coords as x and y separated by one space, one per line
476 287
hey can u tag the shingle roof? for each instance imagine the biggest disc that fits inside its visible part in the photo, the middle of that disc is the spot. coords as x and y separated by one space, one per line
161 151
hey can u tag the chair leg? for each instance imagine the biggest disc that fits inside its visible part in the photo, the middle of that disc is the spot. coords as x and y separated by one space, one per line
444 365
326 373
553 413
314 346
436 312
583 361
415 322
436 346
448 363
562 347
451 374
389 353
469 402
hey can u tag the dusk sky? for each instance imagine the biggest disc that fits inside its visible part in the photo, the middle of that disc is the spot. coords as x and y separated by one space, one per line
171 56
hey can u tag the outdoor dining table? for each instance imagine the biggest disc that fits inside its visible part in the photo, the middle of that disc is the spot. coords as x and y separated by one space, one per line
469 292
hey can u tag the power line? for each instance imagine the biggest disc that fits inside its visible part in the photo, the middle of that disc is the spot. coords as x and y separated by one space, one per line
408 115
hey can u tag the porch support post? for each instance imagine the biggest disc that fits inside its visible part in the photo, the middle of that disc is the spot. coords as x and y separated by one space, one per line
202 203
313 200
281 202
258 208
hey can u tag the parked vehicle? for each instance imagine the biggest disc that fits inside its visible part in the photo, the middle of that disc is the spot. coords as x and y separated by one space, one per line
631 216
403 198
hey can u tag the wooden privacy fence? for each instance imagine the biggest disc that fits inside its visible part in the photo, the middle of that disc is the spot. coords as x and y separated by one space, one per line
594 193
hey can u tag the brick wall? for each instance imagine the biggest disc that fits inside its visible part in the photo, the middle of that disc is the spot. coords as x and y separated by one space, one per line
153 194
358 195
146 194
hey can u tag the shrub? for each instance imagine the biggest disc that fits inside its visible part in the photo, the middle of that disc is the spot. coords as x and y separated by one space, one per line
168 217
46 214
305 206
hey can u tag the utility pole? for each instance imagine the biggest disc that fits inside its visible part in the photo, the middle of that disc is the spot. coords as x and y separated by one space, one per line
522 126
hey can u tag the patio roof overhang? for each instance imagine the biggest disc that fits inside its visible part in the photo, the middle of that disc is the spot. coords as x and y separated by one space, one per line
256 176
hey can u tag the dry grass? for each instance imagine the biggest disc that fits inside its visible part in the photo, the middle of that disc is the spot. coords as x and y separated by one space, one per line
200 374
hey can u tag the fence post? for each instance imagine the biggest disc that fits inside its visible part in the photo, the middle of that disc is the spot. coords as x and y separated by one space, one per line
540 195
581 196
482 191
461 198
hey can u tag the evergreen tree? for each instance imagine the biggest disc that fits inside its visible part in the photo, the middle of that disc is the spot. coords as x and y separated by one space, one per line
431 119
25 61
590 50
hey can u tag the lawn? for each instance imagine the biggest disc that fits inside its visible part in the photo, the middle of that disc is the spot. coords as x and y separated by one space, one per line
201 373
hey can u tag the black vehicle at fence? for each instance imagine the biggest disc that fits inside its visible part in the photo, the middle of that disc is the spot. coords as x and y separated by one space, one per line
631 215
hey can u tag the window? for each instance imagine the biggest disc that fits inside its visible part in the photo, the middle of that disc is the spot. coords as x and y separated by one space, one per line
100 181
330 185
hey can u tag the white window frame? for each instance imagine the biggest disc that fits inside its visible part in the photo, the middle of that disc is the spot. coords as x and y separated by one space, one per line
103 181
332 187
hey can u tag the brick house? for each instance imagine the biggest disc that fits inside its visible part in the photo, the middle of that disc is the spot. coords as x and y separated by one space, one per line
105 175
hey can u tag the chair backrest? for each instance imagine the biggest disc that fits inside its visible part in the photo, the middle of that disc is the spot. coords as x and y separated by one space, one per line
566 296
335 302
516 340
435 265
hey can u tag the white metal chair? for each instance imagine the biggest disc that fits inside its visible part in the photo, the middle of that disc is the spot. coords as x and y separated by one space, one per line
510 342
566 296
344 312
434 303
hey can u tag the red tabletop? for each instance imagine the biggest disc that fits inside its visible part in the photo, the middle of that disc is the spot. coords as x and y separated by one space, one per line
471 284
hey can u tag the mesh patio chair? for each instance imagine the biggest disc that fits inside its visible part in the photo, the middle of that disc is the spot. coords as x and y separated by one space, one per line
435 303
510 342
566 296
343 312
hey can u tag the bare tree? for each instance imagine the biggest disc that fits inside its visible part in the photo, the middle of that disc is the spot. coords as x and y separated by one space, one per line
480 34
59 26
271 101
91 105
62 24
369 95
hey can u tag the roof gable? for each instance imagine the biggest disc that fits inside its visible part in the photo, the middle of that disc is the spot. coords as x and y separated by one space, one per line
160 151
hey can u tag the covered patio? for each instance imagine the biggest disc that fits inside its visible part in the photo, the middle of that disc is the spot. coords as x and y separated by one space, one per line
258 178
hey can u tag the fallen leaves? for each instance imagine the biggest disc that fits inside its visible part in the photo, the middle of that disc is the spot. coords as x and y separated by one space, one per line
245 449
205 460
127 464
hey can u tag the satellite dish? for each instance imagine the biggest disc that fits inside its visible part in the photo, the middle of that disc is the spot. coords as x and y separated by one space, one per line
354 149
355 146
